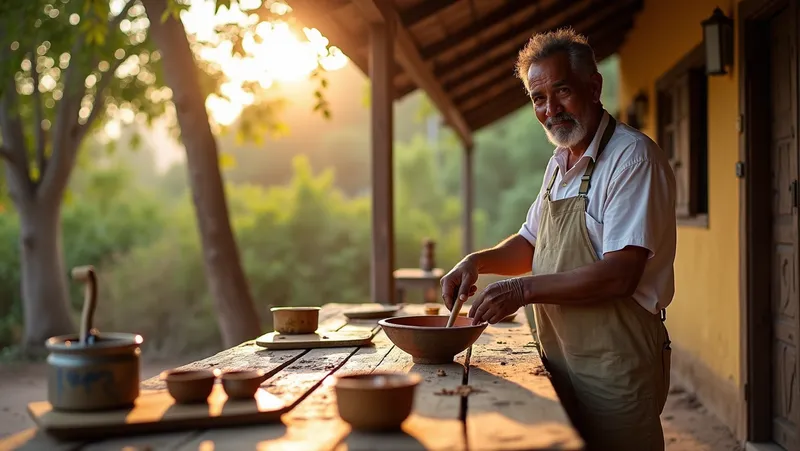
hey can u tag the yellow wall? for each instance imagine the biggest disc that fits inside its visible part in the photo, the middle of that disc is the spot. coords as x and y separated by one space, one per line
703 319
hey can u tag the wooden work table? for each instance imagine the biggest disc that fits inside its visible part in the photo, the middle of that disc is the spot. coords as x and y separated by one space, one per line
512 406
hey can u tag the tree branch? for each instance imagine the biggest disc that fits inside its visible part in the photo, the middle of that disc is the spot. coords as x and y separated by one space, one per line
62 155
11 128
5 153
68 133
39 133
101 86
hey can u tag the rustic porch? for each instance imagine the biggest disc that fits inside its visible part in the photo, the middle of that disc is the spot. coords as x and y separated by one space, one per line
462 54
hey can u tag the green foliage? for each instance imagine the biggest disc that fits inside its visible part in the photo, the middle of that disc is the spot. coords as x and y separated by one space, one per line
300 212
301 243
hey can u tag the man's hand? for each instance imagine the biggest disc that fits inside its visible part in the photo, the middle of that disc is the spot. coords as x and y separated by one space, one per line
497 301
460 281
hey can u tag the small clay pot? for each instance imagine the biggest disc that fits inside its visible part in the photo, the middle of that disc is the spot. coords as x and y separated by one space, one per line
295 320
242 384
189 386
432 309
378 401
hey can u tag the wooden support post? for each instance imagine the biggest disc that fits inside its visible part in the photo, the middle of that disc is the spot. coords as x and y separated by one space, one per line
467 192
381 65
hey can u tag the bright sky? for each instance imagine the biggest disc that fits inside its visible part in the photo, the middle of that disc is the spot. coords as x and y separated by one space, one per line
279 57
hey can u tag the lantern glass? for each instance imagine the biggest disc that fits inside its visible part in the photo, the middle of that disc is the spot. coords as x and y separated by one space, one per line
711 36
717 39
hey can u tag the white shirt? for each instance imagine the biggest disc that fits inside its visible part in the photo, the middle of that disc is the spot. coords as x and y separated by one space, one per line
631 203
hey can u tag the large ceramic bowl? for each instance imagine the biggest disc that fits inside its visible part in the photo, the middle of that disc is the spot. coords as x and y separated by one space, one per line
427 338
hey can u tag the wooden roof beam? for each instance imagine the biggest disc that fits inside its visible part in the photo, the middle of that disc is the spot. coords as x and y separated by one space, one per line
311 15
476 54
593 25
423 10
406 51
600 33
514 98
495 17
533 23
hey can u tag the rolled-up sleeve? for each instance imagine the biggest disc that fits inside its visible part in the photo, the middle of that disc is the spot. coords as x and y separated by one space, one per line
530 227
639 207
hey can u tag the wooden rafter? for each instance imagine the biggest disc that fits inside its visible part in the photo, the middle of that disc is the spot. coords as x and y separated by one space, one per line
486 22
424 10
520 33
409 57
600 32
514 98
594 24
311 15
448 71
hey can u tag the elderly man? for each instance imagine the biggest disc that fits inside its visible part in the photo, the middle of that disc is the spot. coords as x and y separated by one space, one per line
599 241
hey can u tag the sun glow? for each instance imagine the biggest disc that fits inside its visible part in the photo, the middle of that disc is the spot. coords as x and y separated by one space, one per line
273 53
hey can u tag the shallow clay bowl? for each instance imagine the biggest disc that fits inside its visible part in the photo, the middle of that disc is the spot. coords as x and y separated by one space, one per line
295 320
242 384
189 386
378 401
376 312
427 338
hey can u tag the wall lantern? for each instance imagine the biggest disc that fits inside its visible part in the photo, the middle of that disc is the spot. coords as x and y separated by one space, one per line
637 111
718 41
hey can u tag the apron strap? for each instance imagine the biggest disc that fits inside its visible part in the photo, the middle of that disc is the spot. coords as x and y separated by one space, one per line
587 176
552 182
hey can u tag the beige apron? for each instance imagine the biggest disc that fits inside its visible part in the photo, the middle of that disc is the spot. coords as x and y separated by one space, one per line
609 361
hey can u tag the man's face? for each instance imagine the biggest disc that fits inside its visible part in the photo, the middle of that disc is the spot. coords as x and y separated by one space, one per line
562 100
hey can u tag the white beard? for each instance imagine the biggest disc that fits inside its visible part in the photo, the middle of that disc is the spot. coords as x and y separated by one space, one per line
566 138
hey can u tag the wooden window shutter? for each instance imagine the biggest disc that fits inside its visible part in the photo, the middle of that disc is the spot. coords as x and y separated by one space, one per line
683 135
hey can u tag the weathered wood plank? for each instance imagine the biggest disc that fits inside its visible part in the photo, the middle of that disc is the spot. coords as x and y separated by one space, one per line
147 442
33 439
251 356
318 412
321 403
517 407
296 384
435 421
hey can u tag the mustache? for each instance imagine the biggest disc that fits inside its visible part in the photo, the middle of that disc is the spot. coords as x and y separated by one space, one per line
559 118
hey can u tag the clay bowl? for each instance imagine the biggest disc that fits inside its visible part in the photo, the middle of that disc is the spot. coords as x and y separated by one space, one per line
242 384
189 386
427 338
378 401
295 320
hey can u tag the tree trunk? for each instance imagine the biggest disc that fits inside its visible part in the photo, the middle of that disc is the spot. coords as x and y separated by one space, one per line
44 280
238 319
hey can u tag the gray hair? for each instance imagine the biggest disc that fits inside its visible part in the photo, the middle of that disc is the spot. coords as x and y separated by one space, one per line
544 45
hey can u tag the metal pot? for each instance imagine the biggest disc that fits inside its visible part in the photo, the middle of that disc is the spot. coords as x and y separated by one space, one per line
90 370
99 376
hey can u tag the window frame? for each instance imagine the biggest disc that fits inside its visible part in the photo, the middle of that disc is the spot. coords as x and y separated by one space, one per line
685 87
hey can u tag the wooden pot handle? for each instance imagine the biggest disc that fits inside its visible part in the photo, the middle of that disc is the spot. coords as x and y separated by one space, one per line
86 275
